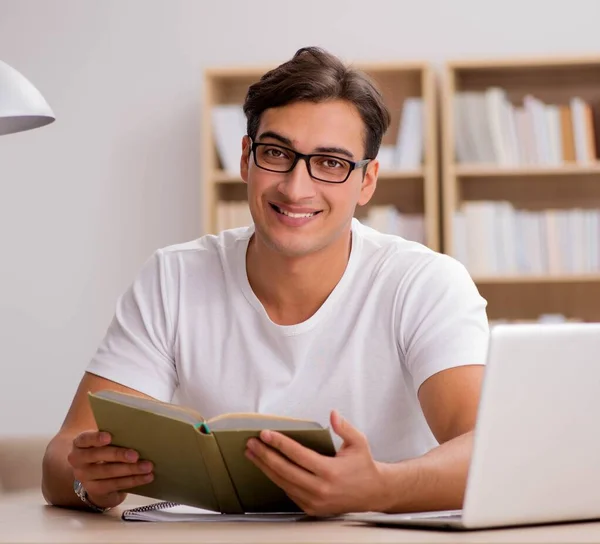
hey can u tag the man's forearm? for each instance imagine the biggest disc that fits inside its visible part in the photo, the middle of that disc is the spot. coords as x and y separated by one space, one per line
57 475
434 481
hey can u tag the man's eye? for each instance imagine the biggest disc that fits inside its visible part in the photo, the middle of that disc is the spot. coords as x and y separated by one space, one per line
332 163
275 153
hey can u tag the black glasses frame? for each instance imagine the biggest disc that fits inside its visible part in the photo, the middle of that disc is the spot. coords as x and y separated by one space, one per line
306 158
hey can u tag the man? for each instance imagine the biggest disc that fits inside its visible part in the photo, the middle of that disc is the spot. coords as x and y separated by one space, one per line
306 313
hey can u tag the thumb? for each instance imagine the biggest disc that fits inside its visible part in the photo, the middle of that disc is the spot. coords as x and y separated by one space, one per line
348 433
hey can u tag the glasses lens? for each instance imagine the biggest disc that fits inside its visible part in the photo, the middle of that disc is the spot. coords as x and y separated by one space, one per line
274 158
328 168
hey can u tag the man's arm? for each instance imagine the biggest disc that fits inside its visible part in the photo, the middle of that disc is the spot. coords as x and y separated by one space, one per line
57 472
437 480
353 481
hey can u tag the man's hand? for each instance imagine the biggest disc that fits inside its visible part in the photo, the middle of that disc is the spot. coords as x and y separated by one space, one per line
106 470
349 482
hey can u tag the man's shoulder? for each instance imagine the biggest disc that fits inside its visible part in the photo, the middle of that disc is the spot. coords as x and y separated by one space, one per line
208 245
406 258
377 245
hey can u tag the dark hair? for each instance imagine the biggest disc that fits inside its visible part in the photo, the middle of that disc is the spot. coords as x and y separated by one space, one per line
315 75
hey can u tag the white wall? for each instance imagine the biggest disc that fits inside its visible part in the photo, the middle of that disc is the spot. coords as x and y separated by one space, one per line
85 201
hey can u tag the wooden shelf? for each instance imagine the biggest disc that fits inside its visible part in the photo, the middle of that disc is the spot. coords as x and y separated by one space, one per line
529 189
491 171
575 297
219 176
522 62
545 279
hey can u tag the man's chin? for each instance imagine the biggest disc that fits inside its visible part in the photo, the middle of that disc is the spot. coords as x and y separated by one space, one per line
293 251
293 248
291 243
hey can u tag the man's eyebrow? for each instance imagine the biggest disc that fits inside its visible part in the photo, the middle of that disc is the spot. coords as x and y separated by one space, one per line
338 150
275 136
288 142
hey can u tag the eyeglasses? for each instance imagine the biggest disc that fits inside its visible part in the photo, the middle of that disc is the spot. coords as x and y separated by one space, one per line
327 168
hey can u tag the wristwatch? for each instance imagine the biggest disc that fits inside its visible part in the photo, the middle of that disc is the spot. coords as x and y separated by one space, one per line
82 494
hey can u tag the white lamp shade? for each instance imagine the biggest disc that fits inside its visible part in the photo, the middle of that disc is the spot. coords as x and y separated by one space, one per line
22 107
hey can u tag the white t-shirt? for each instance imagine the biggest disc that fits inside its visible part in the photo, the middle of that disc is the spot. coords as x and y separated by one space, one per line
191 324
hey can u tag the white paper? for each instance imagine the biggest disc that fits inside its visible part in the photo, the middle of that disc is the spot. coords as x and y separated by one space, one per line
190 513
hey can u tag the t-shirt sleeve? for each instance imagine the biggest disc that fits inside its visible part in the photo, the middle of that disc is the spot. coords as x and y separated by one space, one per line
137 350
443 321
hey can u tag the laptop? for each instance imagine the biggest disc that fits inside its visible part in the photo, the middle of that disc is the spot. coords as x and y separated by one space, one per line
536 452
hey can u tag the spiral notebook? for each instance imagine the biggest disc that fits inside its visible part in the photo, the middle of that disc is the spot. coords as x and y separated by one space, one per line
172 511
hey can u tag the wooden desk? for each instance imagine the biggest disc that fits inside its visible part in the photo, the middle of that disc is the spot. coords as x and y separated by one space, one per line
25 518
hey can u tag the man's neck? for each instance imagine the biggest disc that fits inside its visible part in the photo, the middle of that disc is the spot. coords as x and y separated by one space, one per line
292 289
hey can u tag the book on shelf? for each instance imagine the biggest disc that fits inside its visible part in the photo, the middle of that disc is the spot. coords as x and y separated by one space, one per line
201 462
491 129
229 127
494 238
388 220
407 152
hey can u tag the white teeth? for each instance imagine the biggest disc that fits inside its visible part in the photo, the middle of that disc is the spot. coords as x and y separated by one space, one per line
298 215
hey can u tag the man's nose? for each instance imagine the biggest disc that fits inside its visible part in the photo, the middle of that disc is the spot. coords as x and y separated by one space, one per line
297 185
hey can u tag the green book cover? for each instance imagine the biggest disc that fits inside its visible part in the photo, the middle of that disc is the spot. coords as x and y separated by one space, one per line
201 462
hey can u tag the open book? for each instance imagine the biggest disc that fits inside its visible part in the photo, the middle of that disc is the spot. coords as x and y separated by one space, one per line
200 462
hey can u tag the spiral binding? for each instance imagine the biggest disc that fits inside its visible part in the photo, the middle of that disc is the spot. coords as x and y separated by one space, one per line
151 507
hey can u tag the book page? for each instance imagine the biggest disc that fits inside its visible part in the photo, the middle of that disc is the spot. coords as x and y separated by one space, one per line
250 421
173 411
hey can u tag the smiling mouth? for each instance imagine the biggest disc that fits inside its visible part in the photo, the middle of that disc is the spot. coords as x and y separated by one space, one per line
294 215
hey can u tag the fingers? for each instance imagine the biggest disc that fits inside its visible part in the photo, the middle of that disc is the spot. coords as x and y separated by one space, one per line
92 447
281 480
303 457
278 468
79 457
105 471
102 488
302 496
91 439
347 432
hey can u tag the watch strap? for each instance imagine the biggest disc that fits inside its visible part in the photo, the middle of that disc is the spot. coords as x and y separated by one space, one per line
83 496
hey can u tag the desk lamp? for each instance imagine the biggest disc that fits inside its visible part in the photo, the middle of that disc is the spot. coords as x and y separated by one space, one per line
22 107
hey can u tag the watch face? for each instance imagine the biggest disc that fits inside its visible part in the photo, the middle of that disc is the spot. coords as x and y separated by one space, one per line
77 487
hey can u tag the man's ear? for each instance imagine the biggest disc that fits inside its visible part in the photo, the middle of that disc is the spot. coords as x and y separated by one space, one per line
369 183
245 158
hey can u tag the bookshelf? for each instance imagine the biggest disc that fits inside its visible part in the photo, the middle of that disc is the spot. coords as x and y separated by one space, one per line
521 182
410 189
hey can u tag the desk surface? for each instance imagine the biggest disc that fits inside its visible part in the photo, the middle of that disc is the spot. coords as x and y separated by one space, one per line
25 518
